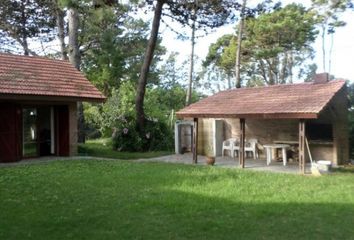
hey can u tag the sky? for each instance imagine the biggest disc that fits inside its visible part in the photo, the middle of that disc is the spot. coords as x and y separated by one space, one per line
342 54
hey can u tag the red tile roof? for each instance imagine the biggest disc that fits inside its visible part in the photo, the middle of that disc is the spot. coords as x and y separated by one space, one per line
304 100
39 76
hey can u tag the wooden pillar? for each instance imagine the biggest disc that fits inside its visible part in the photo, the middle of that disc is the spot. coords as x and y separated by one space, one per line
302 131
195 141
242 143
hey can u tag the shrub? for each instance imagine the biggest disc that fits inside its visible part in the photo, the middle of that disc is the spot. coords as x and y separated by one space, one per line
157 136
93 121
116 118
125 137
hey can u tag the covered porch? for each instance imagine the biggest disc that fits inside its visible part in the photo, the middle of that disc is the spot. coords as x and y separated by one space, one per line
312 123
264 161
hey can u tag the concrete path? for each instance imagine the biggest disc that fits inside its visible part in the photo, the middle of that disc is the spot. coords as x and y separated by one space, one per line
231 163
259 165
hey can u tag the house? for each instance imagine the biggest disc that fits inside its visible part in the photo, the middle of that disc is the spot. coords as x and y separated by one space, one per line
38 106
290 113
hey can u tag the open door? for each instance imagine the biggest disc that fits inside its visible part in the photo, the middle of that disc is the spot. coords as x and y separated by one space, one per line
63 140
29 132
183 136
10 133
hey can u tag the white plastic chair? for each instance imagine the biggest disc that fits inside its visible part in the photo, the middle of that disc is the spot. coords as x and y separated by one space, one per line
236 147
228 144
251 146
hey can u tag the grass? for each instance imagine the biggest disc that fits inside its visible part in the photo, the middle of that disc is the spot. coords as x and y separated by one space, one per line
90 199
103 148
345 169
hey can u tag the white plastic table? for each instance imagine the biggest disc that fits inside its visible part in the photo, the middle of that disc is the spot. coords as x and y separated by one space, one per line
270 147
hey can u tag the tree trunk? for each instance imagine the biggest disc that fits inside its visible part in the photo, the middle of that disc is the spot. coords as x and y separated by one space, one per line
330 53
24 43
191 70
75 59
275 63
74 51
263 71
270 73
324 47
228 82
290 66
239 43
283 68
144 71
25 46
61 33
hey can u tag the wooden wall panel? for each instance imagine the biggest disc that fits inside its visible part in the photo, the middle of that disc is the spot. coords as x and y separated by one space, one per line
10 132
63 138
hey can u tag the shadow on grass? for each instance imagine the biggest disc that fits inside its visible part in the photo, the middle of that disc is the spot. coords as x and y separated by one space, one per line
99 150
120 200
202 217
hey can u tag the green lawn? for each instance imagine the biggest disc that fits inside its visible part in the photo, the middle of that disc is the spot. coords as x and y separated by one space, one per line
91 199
103 148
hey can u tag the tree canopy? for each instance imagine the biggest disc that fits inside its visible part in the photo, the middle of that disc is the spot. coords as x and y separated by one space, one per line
274 43
25 21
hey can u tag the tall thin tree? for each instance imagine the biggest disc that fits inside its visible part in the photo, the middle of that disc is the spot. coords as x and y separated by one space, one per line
73 22
329 12
239 45
59 15
75 59
144 71
191 70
